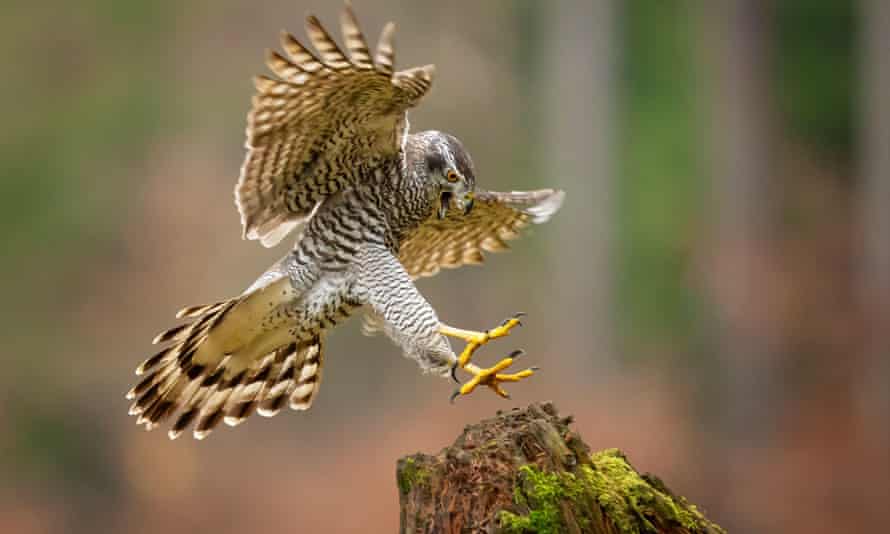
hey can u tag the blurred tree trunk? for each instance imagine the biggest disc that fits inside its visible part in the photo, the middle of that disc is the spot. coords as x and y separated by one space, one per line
576 84
746 198
875 203
525 471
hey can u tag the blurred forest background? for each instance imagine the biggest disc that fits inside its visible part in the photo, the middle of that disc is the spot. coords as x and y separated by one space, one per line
714 297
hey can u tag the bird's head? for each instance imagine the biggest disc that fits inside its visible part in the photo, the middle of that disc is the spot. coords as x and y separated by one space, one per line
451 172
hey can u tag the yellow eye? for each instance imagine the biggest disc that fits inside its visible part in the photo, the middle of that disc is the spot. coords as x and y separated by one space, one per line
452 176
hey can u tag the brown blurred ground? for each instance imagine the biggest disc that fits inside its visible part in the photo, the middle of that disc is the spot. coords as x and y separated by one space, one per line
708 300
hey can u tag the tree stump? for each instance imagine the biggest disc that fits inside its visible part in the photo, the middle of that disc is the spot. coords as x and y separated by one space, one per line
525 471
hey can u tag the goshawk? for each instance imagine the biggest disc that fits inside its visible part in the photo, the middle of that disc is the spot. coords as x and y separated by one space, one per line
329 157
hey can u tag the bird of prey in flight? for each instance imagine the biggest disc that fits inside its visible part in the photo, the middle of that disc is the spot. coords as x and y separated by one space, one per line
374 207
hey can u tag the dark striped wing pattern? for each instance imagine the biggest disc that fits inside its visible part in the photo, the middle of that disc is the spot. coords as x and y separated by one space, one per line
320 117
460 239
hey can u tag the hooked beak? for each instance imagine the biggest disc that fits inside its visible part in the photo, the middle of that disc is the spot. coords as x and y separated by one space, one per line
444 204
464 203
468 203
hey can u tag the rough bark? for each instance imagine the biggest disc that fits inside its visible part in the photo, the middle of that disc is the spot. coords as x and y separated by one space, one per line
525 471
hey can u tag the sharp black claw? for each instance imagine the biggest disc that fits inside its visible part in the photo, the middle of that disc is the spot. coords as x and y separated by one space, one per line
454 395
516 353
535 368
515 317
454 373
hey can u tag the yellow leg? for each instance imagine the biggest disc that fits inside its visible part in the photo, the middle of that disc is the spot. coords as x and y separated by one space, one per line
491 377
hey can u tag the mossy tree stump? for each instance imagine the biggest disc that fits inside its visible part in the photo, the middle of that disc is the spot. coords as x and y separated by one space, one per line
525 471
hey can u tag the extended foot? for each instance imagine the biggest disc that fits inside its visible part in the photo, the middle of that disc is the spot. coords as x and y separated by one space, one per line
477 339
492 377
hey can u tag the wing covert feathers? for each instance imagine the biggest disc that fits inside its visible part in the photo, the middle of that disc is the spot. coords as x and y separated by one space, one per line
321 113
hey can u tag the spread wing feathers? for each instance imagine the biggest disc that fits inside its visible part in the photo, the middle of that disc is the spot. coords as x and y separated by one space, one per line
458 240
318 122
211 372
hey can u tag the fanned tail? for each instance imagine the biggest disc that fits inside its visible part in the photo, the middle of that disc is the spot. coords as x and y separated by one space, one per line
220 367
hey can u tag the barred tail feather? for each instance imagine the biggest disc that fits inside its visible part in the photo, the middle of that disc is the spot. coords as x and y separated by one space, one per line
304 387
221 368
282 375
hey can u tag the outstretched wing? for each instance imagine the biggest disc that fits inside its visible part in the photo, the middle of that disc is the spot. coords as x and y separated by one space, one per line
320 124
460 239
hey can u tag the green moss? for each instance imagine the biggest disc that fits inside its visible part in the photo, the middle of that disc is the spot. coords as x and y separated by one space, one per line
542 494
411 474
629 500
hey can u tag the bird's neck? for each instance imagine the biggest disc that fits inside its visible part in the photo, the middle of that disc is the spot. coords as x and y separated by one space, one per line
408 200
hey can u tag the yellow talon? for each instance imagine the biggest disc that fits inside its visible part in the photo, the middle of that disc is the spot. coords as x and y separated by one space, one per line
477 339
516 377
491 377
